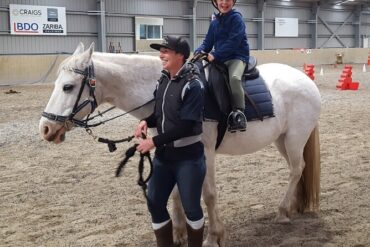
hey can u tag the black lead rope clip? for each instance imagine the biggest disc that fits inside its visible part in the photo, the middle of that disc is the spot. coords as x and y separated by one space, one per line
112 147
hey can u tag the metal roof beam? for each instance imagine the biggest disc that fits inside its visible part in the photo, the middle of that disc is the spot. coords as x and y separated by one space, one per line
314 16
334 33
261 6
102 32
358 13
193 35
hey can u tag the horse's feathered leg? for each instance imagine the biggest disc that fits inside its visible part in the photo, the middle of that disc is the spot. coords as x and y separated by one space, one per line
178 219
294 154
216 231
282 216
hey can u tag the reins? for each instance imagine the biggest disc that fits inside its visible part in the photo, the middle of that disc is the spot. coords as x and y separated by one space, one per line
111 143
141 181
100 114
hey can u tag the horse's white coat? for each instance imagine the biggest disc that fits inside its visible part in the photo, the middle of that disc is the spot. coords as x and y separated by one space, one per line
128 81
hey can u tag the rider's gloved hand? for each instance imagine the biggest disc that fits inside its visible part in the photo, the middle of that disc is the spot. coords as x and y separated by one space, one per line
210 57
196 53
200 55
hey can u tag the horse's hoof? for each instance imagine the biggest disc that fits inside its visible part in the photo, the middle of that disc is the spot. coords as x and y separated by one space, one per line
179 239
212 242
282 219
208 244
179 244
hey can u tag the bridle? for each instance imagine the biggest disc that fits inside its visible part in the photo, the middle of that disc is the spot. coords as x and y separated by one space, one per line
89 80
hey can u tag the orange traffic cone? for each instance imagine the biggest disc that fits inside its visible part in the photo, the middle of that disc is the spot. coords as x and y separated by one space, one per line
345 82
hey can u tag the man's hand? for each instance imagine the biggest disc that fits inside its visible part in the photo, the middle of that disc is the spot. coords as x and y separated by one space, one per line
141 129
145 145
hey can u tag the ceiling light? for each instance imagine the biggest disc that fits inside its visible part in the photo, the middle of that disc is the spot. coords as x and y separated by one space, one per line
345 1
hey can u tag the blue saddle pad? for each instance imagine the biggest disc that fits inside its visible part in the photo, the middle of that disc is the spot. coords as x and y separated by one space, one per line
259 93
217 99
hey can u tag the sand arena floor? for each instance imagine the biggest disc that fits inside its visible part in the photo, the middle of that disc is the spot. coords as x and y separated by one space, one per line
67 195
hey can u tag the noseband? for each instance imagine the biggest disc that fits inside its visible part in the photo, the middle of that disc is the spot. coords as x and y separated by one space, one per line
89 80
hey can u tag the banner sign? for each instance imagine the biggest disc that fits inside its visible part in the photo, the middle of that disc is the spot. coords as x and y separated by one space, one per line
286 27
37 20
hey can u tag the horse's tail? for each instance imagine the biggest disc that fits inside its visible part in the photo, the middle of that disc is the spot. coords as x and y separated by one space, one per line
310 179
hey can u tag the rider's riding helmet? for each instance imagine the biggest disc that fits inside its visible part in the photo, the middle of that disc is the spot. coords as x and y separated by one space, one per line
214 2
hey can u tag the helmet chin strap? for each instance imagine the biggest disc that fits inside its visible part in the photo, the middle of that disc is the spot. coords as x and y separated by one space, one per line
214 3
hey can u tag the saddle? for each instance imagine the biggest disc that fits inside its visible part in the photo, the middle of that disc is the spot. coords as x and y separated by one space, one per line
258 100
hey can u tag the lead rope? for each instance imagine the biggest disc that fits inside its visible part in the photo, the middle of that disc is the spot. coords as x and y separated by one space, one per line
112 143
128 154
141 181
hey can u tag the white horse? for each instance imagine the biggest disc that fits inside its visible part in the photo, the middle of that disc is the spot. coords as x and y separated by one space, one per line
128 81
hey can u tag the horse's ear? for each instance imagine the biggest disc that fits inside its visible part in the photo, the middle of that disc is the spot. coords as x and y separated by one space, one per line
91 49
88 53
80 49
85 57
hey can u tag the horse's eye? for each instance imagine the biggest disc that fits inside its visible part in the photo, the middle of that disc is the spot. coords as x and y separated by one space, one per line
68 88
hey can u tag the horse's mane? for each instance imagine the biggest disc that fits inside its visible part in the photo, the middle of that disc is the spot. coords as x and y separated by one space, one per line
121 59
65 62
132 61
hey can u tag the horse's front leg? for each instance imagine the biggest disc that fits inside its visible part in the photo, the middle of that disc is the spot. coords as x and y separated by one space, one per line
216 230
178 220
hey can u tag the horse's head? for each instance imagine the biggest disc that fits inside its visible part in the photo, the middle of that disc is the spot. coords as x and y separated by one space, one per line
72 98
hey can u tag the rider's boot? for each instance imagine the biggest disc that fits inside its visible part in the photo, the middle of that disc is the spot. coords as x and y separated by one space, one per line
164 235
237 121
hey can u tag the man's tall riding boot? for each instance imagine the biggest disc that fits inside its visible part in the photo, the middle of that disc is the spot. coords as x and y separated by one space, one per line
195 236
237 121
164 235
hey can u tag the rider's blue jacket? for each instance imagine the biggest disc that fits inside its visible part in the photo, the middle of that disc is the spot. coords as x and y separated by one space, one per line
227 35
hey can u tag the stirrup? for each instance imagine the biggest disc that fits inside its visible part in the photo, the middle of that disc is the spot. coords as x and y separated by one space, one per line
236 121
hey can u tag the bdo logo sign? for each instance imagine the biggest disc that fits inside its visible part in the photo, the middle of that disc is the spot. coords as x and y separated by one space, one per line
25 27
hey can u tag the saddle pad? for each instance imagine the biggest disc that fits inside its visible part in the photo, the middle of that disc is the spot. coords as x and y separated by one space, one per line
259 93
